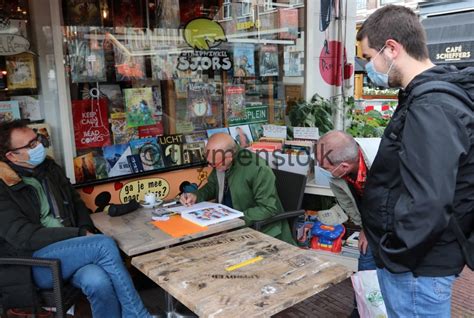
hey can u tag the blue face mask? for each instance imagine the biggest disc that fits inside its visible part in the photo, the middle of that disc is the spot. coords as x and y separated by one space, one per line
379 79
37 155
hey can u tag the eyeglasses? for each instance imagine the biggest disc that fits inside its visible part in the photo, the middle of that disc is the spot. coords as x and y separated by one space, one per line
32 143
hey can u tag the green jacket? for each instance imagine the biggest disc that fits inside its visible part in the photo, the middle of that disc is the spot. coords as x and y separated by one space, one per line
253 191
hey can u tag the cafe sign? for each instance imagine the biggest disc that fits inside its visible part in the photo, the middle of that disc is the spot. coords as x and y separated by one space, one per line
12 44
449 52
253 115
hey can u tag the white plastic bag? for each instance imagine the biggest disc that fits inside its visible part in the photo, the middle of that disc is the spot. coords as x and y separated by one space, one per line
369 299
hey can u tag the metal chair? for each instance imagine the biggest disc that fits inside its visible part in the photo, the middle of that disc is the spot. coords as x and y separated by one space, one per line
62 296
290 187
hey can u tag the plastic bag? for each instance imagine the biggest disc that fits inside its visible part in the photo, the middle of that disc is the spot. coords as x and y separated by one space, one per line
369 298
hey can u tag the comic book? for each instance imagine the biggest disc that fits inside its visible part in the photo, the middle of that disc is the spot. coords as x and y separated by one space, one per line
234 103
84 168
194 152
199 100
87 64
21 72
116 158
149 152
9 111
244 62
29 107
172 147
114 96
207 213
121 133
91 126
269 60
139 106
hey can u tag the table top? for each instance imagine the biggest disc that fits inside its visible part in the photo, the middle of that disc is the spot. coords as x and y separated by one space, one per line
243 273
135 234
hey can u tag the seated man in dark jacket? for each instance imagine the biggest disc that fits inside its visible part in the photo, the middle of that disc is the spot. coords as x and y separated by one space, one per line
41 215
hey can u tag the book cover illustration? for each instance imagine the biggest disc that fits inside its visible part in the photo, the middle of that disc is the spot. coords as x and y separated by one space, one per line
127 13
87 64
91 127
157 102
241 135
269 60
213 131
135 163
181 87
234 102
199 100
163 66
9 111
244 62
120 131
114 96
45 131
288 19
172 146
21 72
196 136
82 12
194 152
84 169
206 213
149 153
29 107
139 106
257 131
128 68
151 130
115 156
100 164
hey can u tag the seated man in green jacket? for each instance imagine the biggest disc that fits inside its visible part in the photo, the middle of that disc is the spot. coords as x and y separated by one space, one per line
242 181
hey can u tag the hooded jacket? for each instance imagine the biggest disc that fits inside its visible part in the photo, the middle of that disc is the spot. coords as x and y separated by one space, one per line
21 231
423 173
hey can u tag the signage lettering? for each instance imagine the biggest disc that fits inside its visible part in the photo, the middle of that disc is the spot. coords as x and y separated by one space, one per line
248 25
11 44
453 53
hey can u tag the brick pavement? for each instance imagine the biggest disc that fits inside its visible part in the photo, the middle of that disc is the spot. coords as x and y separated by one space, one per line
336 301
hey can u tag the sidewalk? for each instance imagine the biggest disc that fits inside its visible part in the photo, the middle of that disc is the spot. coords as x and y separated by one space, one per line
337 301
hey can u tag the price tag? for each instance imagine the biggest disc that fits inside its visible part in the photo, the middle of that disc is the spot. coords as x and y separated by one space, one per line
274 131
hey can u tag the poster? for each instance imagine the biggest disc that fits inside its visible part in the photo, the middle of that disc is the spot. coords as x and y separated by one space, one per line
21 71
91 127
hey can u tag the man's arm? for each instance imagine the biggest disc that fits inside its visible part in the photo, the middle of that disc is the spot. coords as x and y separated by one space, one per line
434 140
265 196
345 202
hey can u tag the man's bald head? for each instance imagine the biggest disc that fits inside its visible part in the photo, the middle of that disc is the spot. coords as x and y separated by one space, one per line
220 150
337 146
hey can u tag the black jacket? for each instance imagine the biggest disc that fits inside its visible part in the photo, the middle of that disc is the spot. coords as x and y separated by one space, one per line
423 172
21 232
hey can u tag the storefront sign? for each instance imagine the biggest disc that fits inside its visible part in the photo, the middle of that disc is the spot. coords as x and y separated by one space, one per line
138 188
203 35
450 52
253 115
248 25
11 44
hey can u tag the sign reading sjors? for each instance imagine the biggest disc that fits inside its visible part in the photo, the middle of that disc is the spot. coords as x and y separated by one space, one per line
138 188
253 115
203 35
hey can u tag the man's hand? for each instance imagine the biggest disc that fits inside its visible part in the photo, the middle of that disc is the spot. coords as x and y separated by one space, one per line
362 242
188 199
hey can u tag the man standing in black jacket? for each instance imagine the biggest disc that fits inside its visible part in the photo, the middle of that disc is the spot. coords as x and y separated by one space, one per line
423 173
41 215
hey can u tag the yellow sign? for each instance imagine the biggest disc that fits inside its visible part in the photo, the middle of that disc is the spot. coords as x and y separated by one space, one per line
202 34
248 25
138 188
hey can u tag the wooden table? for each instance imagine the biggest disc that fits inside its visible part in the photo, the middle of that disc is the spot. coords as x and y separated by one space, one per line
195 274
135 234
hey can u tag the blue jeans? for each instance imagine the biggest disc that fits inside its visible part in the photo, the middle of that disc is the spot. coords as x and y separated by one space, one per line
408 296
93 264
366 261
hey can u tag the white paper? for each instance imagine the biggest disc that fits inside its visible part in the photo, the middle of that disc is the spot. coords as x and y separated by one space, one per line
274 131
309 133
207 213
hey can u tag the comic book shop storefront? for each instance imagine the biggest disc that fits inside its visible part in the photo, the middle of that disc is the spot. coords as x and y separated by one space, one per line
127 92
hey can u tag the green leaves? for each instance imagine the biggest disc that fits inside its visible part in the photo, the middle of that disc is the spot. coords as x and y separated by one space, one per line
316 113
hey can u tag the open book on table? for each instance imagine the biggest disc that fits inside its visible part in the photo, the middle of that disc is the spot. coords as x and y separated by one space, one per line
207 213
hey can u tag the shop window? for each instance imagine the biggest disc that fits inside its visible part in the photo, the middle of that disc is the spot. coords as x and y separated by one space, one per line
146 93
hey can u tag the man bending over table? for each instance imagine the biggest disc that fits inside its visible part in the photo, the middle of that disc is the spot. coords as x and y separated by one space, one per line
243 181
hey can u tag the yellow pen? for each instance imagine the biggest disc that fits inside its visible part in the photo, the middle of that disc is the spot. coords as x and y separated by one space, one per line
244 263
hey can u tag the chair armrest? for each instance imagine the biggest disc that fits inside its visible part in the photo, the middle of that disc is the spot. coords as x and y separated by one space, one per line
282 216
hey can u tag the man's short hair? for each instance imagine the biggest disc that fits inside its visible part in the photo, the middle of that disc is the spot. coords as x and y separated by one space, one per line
344 148
398 23
6 129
